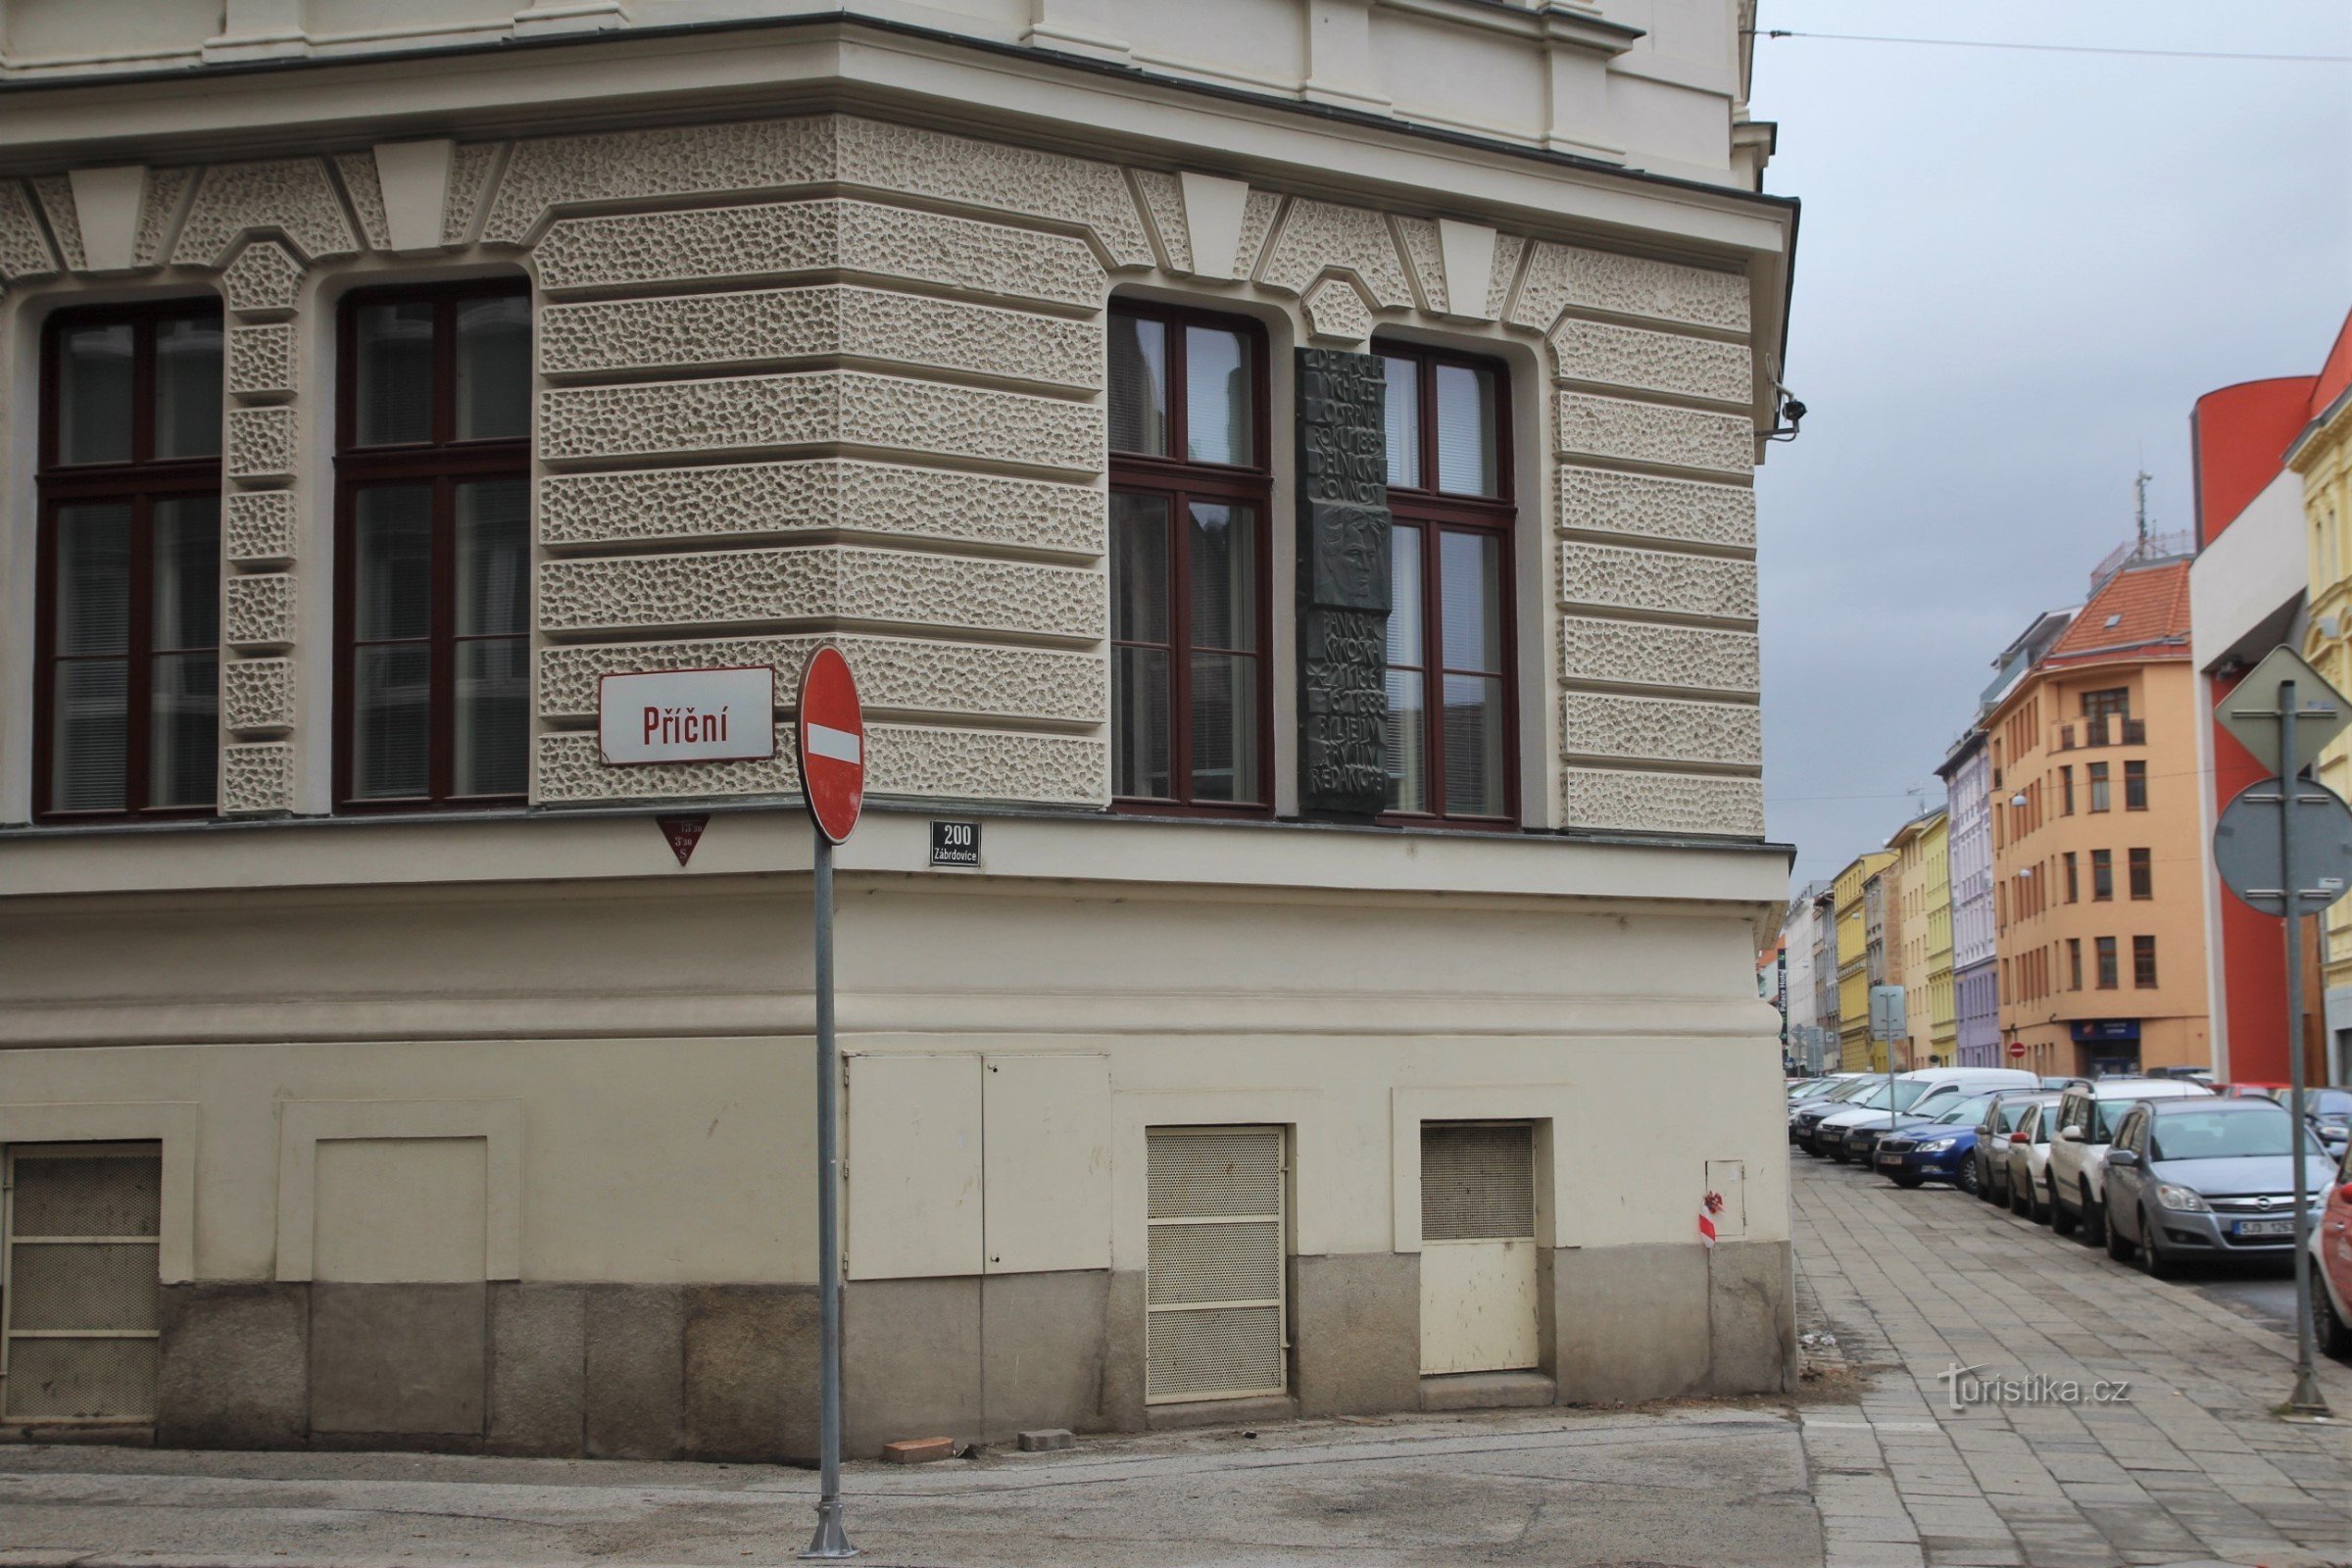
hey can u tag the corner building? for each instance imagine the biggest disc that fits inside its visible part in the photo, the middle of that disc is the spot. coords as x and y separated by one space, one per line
1287 481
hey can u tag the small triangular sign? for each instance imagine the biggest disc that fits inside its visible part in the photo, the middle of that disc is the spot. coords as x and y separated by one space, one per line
683 833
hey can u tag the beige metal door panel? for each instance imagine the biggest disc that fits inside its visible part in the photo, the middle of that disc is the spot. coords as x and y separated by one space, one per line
914 1169
1478 1306
1046 1177
1216 1322
79 1286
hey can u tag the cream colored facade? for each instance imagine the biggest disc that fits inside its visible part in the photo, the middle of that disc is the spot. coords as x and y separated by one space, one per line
516 1101
2323 458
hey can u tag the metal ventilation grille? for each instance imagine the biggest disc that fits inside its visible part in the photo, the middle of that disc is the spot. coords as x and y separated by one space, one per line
1218 1354
1478 1181
80 1292
1215 1318
1216 1171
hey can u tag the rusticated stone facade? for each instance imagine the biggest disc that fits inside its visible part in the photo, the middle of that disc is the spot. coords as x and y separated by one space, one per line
922 364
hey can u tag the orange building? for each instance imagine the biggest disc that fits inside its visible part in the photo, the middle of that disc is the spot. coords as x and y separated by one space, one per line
2098 904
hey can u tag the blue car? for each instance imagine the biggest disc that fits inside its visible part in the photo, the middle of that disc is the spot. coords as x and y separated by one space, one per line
1939 1149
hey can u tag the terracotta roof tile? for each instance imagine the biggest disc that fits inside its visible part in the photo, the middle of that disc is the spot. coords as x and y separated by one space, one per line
2149 609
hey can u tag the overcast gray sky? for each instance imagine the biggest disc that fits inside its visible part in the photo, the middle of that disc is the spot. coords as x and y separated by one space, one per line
2015 273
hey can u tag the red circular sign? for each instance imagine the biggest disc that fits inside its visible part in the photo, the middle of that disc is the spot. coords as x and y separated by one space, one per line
831 728
2017 1051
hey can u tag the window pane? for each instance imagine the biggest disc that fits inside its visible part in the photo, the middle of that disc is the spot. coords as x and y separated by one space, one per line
1139 386
1466 431
394 376
92 606
1404 595
1470 600
1219 415
1404 422
493 729
1140 705
390 721
188 572
93 403
493 557
187 388
392 595
1223 539
1224 728
86 771
494 368
1139 568
1474 759
184 729
1408 762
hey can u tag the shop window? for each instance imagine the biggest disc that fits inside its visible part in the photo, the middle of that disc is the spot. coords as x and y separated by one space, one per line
78 1323
126 712
1452 742
433 561
1190 486
1215 1316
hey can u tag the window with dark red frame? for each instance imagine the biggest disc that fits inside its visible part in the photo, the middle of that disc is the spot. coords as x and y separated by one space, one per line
1190 483
1452 741
432 512
127 708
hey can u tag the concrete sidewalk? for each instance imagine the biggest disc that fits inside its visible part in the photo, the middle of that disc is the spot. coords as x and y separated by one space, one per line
1704 1485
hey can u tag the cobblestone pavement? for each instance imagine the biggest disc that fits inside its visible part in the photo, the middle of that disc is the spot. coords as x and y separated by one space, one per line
2190 1466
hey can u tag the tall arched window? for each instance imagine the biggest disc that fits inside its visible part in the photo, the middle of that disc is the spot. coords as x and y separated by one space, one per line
128 631
1191 698
1452 719
434 565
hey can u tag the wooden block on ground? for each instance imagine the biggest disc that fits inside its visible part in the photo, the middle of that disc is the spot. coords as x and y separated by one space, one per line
918 1450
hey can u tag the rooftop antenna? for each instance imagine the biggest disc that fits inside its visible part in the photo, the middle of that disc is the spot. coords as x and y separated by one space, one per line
2139 505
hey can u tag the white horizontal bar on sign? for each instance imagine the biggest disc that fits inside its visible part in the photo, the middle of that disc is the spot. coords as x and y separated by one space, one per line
838 744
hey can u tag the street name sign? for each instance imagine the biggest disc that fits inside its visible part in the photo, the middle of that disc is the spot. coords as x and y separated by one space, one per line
832 736
686 716
2251 710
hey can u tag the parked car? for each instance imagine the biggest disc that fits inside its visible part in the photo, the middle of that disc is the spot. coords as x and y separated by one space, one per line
1806 1115
2003 1114
1940 1149
2030 1159
2331 1114
2331 1267
2207 1177
1923 1092
2086 1117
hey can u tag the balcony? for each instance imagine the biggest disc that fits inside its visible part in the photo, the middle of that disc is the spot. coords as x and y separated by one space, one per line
2104 731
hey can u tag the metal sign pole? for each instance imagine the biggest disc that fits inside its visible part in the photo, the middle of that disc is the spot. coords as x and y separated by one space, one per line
2307 1399
831 1540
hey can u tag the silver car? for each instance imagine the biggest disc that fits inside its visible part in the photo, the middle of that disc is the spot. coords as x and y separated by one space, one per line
2208 1178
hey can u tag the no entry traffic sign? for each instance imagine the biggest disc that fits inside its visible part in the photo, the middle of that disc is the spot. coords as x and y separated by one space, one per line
832 735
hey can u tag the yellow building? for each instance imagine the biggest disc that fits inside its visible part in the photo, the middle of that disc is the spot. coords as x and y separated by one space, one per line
1854 1053
2322 456
1924 937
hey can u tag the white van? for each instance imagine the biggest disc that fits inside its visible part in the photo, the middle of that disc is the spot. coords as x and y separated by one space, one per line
1920 1094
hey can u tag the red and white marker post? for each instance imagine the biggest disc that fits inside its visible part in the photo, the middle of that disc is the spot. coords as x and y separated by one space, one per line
831 728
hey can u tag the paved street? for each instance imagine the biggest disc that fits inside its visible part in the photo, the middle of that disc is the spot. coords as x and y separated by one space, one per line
1867 1468
2191 1466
